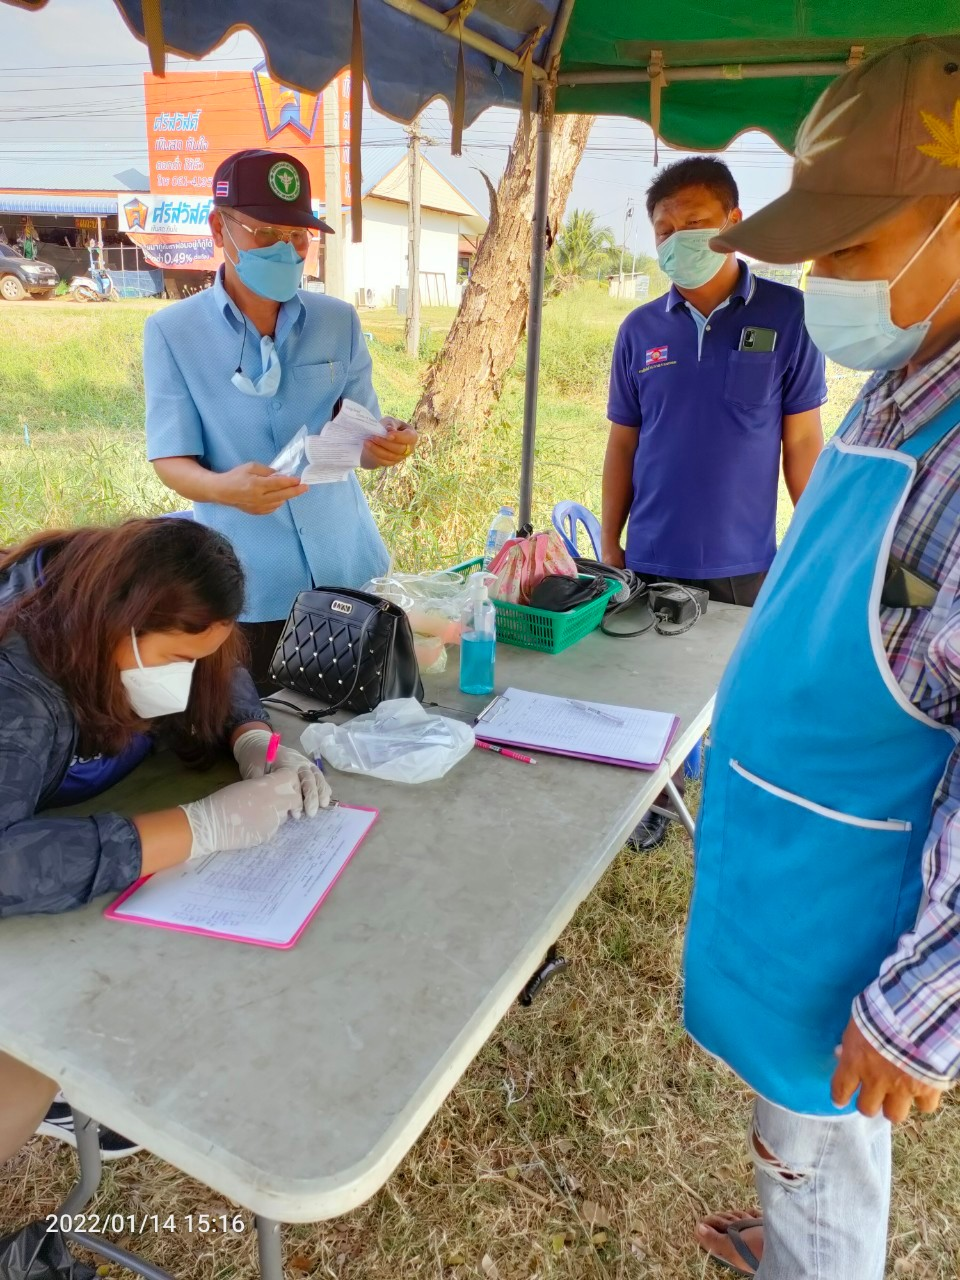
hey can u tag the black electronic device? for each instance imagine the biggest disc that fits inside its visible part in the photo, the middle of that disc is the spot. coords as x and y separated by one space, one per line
758 340
678 605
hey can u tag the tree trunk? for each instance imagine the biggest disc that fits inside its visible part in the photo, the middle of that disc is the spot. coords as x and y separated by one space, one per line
467 376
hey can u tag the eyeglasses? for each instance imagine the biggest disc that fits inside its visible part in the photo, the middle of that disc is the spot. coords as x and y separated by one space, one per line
264 237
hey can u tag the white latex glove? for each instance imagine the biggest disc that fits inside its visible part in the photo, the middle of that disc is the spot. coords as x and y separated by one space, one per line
245 813
250 753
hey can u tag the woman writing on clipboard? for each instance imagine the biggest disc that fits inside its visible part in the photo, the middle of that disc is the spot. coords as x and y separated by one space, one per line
111 639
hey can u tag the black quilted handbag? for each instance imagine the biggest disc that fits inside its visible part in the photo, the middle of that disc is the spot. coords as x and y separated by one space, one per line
347 649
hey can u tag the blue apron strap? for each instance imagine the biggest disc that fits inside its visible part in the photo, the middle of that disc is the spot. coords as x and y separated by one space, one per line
935 430
928 436
853 413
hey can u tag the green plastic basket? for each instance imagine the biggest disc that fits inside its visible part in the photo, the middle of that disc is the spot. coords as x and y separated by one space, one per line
540 628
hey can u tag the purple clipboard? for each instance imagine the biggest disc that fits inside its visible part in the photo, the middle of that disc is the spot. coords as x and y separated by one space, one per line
487 734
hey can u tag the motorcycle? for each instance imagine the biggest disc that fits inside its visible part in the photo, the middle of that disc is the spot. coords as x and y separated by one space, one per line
95 286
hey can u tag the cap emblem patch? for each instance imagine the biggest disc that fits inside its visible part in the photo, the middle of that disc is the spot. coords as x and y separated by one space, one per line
811 141
284 180
945 148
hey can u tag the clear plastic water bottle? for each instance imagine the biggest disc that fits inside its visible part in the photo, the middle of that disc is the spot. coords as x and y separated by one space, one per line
502 529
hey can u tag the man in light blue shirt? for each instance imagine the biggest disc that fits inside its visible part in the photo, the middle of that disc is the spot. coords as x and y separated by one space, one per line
235 371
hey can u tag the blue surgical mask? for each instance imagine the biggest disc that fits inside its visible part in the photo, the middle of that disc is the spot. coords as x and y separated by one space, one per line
686 257
269 380
850 320
274 273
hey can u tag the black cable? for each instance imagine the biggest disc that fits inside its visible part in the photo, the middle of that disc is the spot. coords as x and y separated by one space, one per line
634 590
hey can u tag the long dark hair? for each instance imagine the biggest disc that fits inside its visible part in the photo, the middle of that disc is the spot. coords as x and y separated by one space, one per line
151 575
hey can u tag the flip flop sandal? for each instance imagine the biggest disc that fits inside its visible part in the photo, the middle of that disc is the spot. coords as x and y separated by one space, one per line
743 1249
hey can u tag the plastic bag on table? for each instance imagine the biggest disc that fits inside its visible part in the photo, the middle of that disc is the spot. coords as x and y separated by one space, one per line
292 458
432 601
399 742
431 654
36 1252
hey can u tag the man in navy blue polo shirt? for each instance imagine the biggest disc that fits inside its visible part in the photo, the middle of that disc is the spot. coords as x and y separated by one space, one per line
712 386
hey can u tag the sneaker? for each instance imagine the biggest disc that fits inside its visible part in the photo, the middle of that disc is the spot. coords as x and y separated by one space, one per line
649 833
58 1123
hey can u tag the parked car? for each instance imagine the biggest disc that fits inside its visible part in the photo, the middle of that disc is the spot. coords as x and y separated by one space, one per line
20 276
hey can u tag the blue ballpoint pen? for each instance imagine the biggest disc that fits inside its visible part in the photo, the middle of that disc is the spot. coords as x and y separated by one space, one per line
334 804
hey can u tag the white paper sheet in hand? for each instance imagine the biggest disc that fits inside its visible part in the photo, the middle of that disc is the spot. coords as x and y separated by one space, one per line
337 450
265 895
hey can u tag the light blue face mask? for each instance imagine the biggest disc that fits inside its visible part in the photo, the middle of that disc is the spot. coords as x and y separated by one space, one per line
269 380
850 320
274 273
686 257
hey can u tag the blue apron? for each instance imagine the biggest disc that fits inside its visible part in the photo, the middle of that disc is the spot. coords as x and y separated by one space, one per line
818 791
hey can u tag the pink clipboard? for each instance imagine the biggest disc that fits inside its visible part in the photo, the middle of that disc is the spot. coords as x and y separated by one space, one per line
486 734
113 911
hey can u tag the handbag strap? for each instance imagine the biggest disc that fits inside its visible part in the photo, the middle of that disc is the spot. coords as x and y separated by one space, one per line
313 715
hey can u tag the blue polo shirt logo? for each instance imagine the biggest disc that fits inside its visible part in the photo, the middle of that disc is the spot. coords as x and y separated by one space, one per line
657 355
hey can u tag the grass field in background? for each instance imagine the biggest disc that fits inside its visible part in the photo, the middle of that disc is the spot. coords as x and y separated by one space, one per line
71 382
589 1134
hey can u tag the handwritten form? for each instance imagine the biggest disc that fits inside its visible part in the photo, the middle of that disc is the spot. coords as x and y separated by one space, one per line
265 895
541 722
336 451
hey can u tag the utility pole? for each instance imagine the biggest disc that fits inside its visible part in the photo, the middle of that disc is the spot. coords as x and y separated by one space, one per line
333 246
626 218
413 243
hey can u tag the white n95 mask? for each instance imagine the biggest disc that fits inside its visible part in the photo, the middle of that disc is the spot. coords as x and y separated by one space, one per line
157 691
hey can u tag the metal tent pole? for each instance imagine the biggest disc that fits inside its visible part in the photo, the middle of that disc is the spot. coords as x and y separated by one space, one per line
538 261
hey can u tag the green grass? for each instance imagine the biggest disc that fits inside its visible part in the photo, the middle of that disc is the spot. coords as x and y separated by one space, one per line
71 375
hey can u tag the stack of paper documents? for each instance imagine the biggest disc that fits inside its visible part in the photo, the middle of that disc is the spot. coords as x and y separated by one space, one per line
336 451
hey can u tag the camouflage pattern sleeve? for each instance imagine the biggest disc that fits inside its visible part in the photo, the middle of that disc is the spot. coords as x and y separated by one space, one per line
50 864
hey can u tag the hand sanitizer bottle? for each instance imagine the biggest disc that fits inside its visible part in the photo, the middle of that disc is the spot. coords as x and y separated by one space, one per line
478 637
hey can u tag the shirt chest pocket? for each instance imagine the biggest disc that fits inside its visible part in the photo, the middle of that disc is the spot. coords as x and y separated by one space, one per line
751 379
315 389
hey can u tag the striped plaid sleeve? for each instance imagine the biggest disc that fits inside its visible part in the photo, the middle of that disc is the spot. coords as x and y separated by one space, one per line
911 1012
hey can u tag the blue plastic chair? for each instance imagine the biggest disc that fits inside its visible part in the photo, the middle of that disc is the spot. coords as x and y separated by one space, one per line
693 765
566 517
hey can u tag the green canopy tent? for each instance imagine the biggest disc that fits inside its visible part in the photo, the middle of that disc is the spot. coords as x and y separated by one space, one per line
699 74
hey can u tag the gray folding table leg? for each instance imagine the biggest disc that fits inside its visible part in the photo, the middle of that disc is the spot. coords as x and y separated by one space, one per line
91 1166
683 813
270 1249
113 1253
83 1191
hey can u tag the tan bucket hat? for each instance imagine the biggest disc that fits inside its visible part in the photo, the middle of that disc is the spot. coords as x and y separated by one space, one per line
880 137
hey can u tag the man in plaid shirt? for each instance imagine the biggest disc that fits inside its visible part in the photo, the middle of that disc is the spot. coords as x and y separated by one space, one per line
823 949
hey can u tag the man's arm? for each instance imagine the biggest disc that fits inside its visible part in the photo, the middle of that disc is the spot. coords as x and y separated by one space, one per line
903 1041
400 442
802 443
252 487
617 490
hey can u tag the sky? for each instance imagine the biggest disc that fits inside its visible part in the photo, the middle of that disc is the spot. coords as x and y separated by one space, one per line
71 115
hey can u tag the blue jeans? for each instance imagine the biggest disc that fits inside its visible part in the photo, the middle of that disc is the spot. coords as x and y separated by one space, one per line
824 1194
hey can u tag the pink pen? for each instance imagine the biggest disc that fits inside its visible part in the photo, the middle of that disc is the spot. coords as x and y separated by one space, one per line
505 751
273 746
